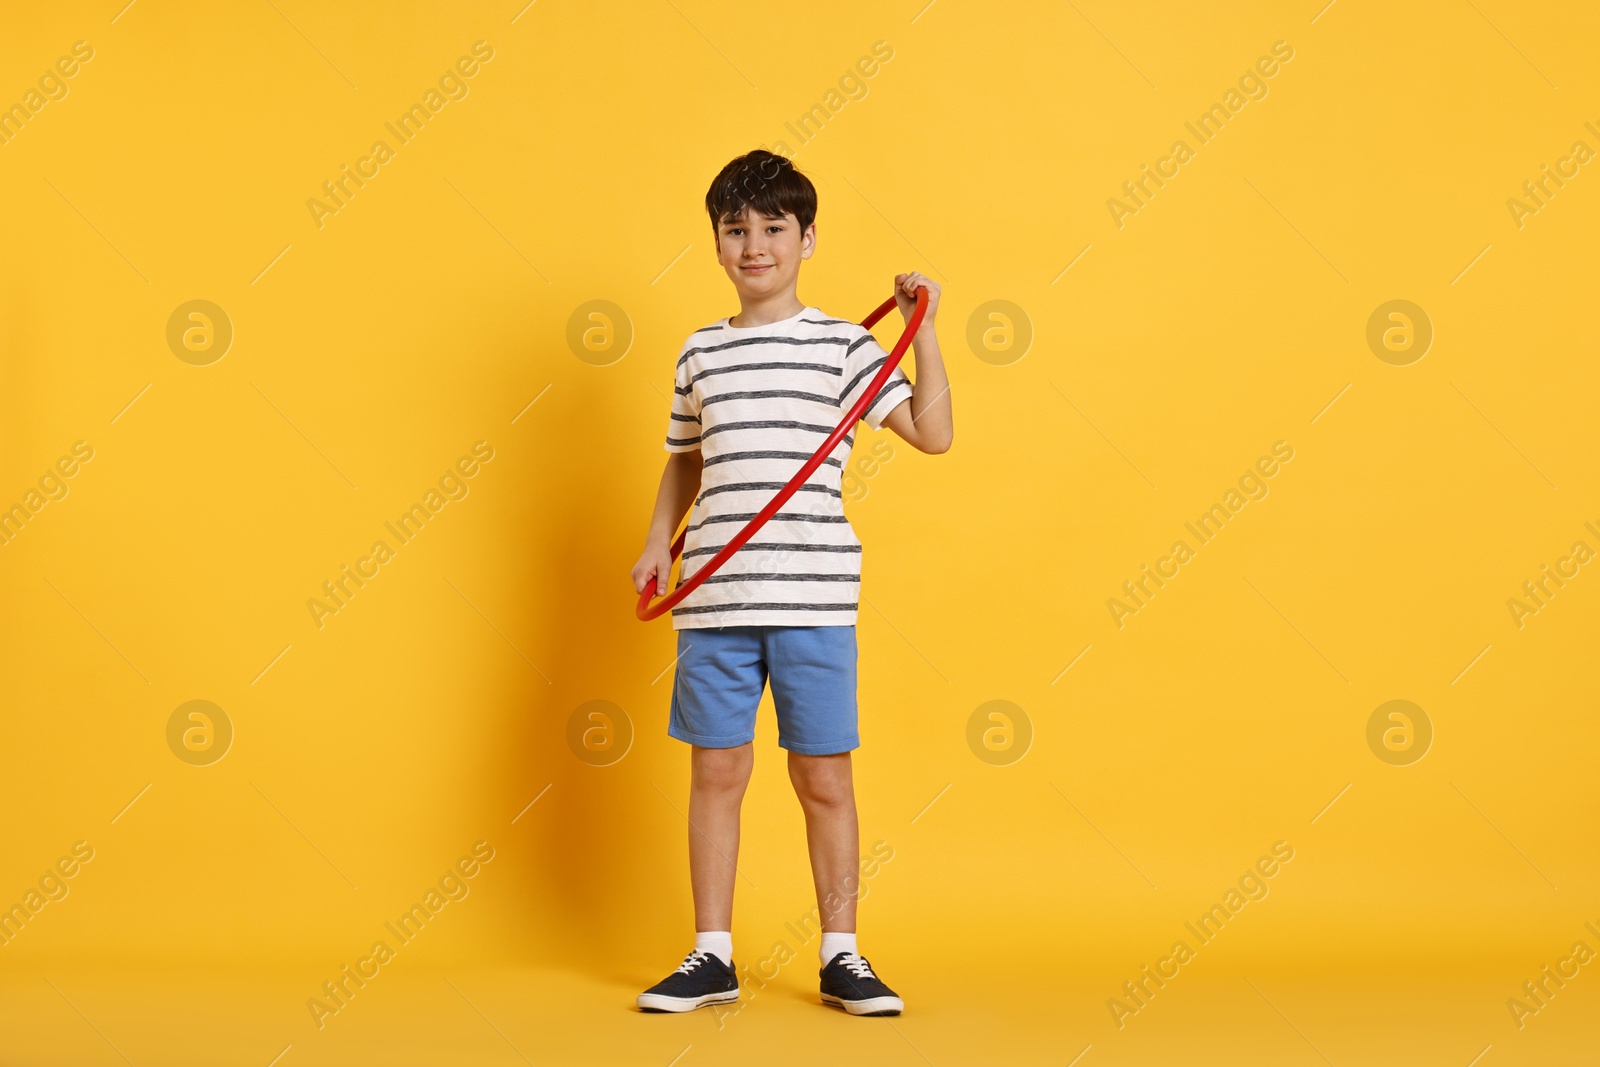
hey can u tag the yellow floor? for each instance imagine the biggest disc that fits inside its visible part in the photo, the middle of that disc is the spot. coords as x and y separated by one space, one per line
516 1017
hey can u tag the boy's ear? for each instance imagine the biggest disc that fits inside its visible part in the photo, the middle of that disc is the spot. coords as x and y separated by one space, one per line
808 241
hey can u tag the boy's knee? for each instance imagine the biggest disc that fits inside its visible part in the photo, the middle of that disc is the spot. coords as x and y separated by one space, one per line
722 769
821 780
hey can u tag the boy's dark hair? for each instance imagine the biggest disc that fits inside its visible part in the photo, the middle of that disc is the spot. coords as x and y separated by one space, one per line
766 182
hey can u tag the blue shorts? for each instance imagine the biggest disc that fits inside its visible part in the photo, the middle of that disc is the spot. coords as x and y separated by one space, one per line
721 673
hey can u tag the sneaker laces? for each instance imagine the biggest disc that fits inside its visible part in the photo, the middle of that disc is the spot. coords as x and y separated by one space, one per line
690 962
857 965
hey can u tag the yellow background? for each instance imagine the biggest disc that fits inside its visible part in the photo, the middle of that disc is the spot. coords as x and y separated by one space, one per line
428 313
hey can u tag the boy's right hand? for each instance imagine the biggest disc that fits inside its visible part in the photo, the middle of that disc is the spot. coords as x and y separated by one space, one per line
655 564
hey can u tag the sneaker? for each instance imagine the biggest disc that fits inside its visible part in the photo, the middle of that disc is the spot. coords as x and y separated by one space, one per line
848 983
702 978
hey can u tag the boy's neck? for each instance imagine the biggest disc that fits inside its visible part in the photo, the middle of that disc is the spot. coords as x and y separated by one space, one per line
760 312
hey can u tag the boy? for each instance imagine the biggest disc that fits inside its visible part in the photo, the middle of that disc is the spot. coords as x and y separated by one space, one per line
753 400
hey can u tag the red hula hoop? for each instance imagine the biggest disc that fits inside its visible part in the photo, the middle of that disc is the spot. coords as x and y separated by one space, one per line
647 611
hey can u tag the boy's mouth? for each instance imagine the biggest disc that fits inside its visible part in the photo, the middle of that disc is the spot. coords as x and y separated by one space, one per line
758 268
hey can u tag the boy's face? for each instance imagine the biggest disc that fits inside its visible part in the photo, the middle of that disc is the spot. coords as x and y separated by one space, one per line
762 255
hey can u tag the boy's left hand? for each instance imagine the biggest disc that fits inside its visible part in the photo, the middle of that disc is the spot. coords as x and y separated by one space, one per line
905 296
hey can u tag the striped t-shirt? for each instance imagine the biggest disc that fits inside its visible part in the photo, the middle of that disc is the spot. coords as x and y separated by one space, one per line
758 401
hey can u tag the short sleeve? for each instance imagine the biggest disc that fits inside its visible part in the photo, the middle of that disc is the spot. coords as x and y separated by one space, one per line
862 363
683 429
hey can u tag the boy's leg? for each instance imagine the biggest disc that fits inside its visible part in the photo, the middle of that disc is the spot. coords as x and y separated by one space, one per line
717 780
715 693
813 675
718 777
826 790
721 673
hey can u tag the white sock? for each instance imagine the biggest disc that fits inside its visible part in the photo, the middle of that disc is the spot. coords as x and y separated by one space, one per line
833 944
718 943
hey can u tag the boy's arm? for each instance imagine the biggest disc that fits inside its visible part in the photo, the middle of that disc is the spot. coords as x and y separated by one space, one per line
680 484
925 420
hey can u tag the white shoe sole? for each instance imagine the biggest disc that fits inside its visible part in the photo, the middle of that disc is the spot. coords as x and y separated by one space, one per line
874 1006
657 1002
